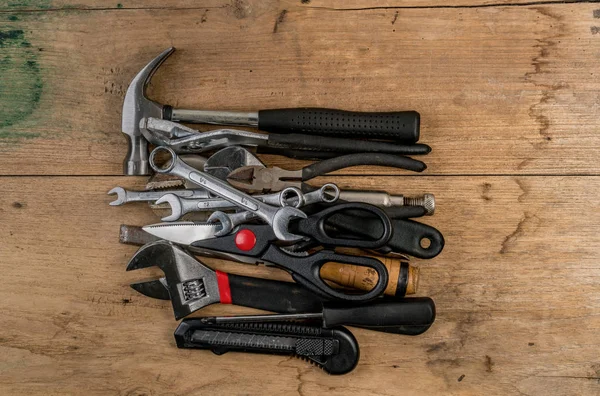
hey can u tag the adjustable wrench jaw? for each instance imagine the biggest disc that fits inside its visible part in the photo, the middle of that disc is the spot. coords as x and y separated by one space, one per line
191 285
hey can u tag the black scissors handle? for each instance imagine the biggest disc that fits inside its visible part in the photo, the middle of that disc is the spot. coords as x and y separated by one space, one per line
314 226
306 270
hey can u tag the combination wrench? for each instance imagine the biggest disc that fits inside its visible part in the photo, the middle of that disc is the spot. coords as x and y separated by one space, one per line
277 217
125 196
291 196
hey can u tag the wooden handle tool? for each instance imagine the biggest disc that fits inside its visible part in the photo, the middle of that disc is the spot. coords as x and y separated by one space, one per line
404 278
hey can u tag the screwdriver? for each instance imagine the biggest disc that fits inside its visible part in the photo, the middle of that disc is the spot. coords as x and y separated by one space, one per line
404 278
409 316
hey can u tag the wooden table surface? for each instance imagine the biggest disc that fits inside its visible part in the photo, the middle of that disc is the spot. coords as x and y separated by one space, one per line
509 95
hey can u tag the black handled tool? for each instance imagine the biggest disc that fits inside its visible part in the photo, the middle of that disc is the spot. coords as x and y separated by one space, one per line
409 316
190 285
336 351
305 268
401 126
183 139
408 236
340 145
396 126
254 178
257 241
404 277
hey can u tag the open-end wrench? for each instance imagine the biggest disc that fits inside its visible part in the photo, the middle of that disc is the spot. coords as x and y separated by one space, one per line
291 196
277 217
125 196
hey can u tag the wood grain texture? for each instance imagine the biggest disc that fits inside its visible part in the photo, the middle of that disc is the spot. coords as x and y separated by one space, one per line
515 288
513 89
508 93
240 5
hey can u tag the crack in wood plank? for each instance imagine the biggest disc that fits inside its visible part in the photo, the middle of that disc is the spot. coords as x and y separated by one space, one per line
408 7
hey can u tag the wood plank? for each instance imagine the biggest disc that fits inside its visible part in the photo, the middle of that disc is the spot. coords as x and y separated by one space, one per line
516 291
244 6
500 90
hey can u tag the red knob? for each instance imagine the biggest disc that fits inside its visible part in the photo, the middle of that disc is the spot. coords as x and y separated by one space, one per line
245 240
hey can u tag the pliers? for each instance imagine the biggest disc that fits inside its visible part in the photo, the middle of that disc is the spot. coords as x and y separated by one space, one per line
183 139
261 179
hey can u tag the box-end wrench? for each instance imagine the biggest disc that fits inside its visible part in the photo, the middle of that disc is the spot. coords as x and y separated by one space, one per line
277 217
291 196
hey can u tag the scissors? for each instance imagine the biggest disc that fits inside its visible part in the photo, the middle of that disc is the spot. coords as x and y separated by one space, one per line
258 243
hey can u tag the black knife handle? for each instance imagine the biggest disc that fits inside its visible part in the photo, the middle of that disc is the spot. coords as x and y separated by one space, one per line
401 126
271 295
334 350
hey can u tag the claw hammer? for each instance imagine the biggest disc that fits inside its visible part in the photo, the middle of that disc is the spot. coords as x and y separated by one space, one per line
402 126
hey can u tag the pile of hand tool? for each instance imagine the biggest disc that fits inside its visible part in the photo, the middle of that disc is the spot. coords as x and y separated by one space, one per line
346 250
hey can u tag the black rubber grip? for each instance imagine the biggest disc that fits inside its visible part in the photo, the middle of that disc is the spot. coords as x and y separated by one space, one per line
271 295
410 316
341 145
348 160
297 154
401 126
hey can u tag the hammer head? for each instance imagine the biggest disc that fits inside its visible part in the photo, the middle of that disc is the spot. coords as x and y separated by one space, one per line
135 107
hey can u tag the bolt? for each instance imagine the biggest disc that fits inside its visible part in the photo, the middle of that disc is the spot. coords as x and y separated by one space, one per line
426 200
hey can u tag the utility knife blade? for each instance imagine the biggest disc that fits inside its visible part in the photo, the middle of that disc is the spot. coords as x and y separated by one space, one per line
183 232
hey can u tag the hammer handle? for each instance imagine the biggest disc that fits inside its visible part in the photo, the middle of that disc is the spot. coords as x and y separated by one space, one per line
401 126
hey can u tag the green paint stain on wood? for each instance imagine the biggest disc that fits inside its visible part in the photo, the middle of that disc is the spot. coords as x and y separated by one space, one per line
21 87
119 5
40 4
10 35
13 18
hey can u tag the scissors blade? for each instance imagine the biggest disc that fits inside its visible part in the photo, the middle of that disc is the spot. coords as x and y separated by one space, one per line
184 232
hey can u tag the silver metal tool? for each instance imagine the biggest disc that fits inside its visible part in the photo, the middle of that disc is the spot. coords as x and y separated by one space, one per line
220 164
190 284
183 233
385 200
277 217
290 196
230 221
183 139
125 196
187 140
397 126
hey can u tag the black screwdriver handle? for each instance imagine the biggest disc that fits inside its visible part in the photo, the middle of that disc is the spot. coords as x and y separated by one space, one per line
401 126
271 295
343 145
409 316
345 161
